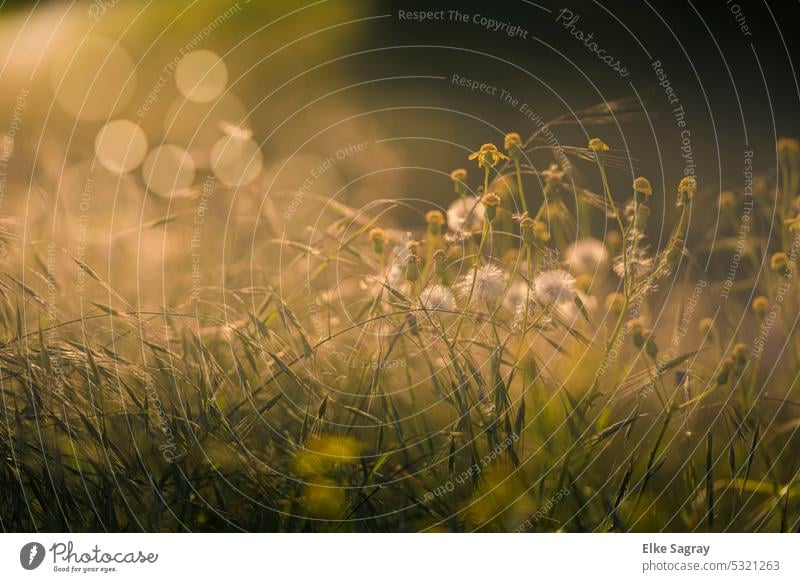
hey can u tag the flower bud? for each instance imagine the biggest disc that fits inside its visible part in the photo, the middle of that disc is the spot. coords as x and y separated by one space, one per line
513 145
641 185
379 240
760 307
435 220
459 178
490 202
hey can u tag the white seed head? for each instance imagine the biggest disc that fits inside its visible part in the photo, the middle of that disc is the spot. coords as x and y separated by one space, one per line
437 297
554 287
489 284
465 214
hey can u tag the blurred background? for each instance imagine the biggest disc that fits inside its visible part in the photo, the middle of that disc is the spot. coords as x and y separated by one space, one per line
128 123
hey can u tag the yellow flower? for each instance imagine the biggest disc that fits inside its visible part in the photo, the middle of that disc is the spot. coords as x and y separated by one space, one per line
642 186
379 240
597 145
488 156
779 261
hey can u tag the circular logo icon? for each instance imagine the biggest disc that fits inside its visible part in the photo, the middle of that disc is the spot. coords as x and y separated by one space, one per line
31 555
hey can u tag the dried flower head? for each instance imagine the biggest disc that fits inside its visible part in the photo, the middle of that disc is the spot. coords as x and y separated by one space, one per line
488 156
554 286
489 283
465 214
437 297
541 231
740 352
642 186
686 189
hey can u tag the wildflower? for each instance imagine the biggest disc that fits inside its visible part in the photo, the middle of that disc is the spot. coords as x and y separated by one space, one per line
437 297
760 307
459 178
490 202
379 240
553 175
513 145
554 286
465 214
586 255
687 189
435 220
488 156
597 145
489 283
787 145
635 327
641 185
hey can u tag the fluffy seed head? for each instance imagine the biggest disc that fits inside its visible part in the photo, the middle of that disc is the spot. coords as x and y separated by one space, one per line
437 297
489 283
465 214
554 286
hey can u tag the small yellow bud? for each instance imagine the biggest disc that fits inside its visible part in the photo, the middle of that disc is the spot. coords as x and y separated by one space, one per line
597 145
760 306
490 202
379 240
642 186
435 220
513 145
779 261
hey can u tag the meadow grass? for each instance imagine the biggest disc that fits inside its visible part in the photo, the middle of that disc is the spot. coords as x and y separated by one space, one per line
524 360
